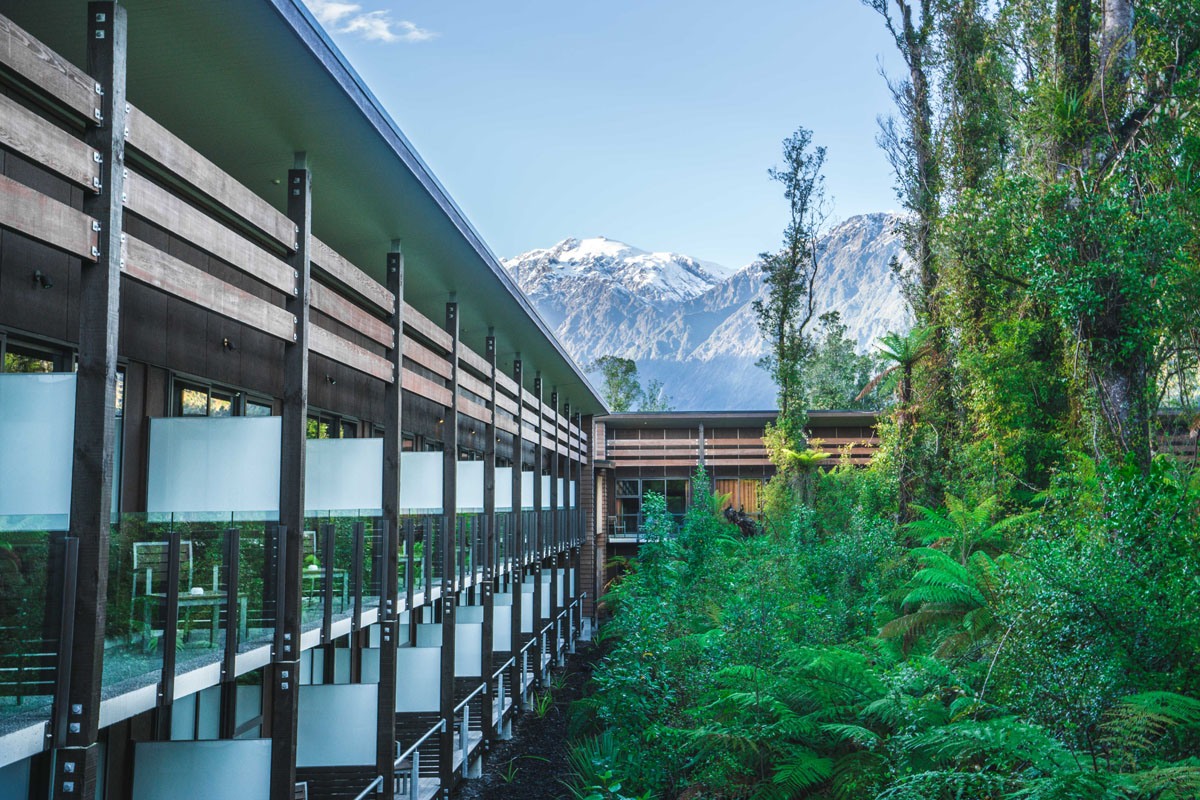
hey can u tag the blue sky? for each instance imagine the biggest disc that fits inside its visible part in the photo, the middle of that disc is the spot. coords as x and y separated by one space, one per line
647 121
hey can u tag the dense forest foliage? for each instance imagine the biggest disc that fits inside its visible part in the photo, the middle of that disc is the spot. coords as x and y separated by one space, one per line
1006 603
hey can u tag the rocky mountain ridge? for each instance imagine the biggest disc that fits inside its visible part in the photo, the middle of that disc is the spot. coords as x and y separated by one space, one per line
692 329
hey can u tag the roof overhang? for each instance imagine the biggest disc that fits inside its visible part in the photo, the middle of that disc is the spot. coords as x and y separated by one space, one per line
733 419
250 83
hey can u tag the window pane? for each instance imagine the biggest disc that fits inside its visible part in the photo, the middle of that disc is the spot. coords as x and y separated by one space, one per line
653 486
20 360
349 430
193 402
628 489
119 400
220 405
255 409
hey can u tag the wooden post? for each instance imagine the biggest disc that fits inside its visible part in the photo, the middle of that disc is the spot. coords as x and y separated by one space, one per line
555 524
516 576
286 666
389 617
76 761
539 545
449 558
488 587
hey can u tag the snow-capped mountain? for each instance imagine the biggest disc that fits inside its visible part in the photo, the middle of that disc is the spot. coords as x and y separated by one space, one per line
691 329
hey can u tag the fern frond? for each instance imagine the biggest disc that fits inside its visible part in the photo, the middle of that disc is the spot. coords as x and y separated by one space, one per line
1136 724
855 734
800 771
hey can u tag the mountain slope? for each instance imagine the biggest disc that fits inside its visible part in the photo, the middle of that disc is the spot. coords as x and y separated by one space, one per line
691 329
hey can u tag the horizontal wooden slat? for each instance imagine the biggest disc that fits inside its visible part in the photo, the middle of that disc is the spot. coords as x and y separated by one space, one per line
507 384
359 282
43 218
330 345
152 266
176 156
505 402
327 301
156 204
48 145
47 70
473 384
475 361
422 355
420 385
423 325
474 410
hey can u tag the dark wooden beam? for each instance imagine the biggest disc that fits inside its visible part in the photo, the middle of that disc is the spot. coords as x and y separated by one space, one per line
539 527
286 667
490 571
76 761
389 617
555 523
449 556
516 535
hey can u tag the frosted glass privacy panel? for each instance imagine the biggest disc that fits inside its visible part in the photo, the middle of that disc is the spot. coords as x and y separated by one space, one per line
562 498
504 488
344 475
210 468
470 486
545 493
418 679
421 483
37 441
527 490
331 730
468 614
574 488
468 650
238 769
502 629
429 634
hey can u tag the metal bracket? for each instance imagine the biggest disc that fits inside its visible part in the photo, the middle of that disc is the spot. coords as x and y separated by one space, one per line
96 225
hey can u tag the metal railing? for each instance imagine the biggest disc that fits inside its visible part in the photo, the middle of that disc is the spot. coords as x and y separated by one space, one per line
464 723
374 786
498 678
410 776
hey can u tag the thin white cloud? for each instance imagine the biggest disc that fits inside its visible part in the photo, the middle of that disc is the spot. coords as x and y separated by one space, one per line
376 26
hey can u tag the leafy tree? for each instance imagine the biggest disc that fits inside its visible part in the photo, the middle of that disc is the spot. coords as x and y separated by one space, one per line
790 274
622 388
836 371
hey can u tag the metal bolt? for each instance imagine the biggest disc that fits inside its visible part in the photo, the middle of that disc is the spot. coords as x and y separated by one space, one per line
75 727
100 34
69 767
77 708
69 786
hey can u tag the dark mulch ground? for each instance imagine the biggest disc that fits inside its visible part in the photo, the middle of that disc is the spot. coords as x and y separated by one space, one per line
533 764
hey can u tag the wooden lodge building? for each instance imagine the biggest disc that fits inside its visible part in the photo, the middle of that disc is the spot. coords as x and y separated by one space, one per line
266 407
638 453
299 497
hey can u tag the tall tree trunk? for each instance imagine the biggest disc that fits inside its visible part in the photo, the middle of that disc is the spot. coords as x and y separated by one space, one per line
1122 392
